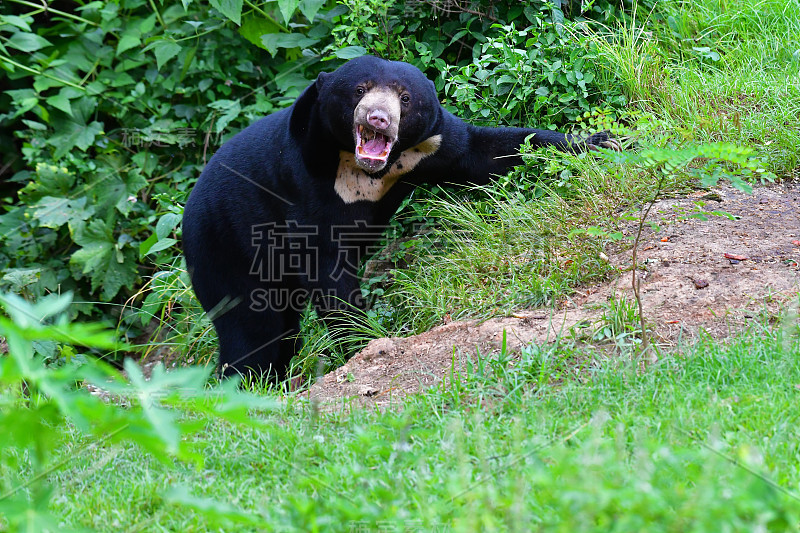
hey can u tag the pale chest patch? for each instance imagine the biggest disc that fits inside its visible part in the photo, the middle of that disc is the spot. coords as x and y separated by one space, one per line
354 185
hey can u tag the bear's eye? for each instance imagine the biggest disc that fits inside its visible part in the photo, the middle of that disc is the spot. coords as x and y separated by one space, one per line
405 98
360 91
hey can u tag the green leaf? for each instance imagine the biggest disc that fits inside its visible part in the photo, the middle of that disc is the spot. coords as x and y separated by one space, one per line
310 8
231 9
274 41
127 42
116 187
718 213
99 256
145 246
96 243
162 422
147 24
350 52
558 19
72 131
166 224
14 20
187 61
28 314
61 100
230 109
16 279
71 134
163 244
54 212
24 100
53 180
288 7
27 42
146 161
32 124
164 51
254 27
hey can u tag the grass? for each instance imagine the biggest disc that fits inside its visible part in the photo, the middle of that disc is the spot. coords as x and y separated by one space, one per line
721 70
560 439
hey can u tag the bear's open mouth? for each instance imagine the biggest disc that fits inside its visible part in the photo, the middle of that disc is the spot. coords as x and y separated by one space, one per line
371 146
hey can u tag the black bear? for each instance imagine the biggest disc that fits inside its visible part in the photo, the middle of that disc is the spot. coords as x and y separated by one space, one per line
285 210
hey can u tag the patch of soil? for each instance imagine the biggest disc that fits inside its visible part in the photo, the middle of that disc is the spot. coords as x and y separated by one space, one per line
688 285
716 274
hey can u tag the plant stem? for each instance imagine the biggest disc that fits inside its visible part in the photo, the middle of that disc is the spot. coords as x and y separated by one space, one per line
41 73
636 282
45 9
264 14
158 15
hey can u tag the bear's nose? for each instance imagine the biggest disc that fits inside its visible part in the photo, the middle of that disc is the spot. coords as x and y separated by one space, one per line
378 119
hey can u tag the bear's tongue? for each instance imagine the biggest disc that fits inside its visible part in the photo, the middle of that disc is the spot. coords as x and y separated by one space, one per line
375 146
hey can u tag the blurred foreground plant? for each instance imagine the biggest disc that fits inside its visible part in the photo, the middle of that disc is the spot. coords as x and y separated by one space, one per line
44 408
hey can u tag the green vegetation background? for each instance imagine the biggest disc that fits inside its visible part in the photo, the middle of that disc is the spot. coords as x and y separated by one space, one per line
109 111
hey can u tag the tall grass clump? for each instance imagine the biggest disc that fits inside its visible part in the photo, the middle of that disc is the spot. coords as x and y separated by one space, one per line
512 245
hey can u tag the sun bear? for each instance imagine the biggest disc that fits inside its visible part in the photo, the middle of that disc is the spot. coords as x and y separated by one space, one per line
285 210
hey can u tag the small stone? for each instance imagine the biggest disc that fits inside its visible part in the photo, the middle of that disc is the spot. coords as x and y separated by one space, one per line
368 391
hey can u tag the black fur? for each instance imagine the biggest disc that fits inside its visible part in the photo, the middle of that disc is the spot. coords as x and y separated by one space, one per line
281 171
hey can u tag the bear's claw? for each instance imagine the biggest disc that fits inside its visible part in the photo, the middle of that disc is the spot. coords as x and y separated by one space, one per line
603 139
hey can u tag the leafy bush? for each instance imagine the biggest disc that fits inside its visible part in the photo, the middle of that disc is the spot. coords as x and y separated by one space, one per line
532 76
118 108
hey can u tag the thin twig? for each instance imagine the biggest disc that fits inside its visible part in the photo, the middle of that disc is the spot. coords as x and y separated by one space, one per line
635 281
47 9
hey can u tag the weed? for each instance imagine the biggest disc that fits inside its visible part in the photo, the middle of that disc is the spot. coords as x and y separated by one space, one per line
619 323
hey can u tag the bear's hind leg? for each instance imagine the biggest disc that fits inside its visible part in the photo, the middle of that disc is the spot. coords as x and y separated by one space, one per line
257 344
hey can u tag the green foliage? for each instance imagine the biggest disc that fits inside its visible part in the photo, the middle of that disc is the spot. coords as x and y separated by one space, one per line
532 76
661 168
364 28
45 408
719 160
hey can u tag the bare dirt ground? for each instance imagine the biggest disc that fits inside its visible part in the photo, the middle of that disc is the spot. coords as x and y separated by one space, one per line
688 285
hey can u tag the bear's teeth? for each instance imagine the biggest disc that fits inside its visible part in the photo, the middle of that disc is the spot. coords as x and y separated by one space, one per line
372 144
376 146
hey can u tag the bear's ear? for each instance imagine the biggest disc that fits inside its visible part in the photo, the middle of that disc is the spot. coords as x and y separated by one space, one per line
301 110
321 80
